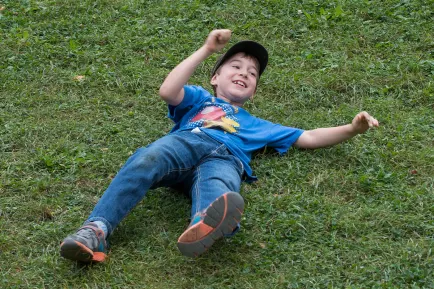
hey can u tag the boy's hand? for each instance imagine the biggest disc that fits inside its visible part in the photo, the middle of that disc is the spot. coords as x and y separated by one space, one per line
363 121
217 39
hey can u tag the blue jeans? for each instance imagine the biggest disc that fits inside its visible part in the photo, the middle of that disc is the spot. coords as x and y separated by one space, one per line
194 160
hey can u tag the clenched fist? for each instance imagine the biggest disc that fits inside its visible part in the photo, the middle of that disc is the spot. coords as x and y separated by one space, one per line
217 39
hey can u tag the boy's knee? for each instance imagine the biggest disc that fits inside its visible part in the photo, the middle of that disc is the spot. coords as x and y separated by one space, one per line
146 157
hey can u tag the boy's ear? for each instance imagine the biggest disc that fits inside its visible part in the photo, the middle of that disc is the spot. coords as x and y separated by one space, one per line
214 79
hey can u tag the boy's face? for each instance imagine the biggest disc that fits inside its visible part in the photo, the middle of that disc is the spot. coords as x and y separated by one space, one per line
235 81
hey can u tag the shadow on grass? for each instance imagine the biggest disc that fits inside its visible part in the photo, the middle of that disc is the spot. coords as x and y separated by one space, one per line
153 227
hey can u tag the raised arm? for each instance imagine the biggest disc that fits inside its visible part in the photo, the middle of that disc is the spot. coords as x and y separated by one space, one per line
324 137
172 89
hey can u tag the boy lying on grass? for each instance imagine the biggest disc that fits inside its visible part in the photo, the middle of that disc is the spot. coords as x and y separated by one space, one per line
207 152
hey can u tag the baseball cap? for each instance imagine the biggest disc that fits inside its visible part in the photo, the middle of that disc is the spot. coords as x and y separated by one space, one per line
250 48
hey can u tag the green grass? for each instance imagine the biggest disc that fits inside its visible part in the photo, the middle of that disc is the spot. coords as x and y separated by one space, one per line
357 215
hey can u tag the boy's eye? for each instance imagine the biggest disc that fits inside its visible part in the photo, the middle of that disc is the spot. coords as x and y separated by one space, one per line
253 74
236 66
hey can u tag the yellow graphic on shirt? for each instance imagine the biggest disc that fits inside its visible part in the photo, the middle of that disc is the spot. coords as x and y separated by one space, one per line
226 124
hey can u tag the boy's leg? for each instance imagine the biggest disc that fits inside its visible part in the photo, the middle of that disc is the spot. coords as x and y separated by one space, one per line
163 163
216 203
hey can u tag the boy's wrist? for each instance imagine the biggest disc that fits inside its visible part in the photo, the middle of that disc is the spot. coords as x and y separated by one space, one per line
206 50
352 130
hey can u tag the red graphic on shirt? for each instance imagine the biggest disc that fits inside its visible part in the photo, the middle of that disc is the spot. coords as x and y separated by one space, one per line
210 113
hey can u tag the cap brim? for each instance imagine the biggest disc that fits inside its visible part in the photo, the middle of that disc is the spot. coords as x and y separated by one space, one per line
249 47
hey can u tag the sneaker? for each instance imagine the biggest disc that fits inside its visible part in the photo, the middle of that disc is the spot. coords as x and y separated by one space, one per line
219 219
86 245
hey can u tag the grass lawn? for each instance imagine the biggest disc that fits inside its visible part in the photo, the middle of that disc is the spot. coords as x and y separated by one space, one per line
79 93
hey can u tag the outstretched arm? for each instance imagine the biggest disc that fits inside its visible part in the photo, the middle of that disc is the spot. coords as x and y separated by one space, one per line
324 137
172 89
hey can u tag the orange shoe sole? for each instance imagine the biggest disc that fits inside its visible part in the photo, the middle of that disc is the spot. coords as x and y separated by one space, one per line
75 251
221 218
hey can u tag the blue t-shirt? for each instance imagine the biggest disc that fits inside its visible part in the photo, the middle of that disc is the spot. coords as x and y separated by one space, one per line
233 126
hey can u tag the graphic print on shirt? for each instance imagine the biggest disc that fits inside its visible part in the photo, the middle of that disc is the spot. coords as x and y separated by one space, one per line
216 115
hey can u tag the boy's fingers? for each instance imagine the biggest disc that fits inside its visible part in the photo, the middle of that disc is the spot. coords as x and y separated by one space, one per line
369 118
372 122
225 35
365 115
226 32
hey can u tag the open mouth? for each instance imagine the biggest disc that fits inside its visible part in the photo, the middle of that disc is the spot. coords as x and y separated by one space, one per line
240 83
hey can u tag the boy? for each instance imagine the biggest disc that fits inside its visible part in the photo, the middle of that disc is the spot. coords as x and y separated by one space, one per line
208 151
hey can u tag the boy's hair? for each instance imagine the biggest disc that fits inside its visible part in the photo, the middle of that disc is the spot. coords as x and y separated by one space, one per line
245 55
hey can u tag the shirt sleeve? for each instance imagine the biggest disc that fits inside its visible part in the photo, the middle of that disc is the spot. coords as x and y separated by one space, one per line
192 95
281 138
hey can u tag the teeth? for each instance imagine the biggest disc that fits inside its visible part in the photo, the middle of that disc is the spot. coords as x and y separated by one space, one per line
240 83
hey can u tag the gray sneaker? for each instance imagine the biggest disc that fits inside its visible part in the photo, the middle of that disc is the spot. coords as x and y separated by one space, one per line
86 245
